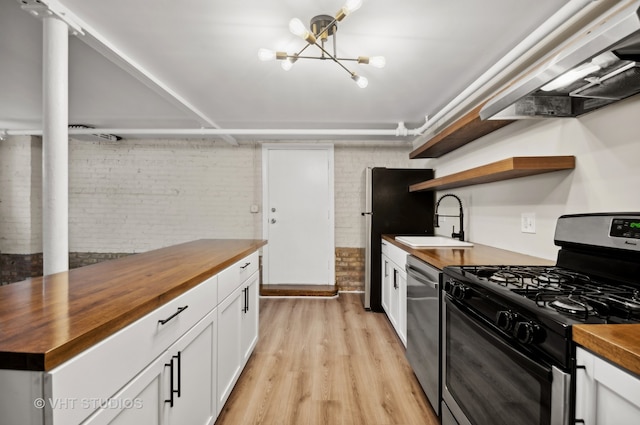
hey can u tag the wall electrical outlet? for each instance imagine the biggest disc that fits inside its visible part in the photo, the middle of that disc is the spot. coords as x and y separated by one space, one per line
528 222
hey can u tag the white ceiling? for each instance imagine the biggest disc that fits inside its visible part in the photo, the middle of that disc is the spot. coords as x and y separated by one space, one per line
205 51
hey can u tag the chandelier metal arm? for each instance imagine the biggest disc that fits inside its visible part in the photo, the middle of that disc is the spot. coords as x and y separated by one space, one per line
333 58
298 56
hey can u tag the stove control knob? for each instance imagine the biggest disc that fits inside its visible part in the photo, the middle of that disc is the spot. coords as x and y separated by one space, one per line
448 286
528 333
505 320
459 291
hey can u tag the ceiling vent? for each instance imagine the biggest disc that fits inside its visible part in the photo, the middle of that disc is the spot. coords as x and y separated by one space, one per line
91 137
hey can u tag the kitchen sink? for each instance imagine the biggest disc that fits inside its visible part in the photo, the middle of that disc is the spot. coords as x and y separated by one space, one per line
431 241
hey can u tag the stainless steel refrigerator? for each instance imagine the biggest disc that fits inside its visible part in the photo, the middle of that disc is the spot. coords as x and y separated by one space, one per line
389 208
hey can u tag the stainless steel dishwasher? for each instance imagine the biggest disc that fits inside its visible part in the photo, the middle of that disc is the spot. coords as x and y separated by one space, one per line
423 326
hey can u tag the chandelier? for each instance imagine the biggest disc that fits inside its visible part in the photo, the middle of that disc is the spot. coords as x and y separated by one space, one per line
321 28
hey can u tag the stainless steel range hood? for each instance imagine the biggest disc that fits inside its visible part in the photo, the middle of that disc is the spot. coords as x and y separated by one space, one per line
599 65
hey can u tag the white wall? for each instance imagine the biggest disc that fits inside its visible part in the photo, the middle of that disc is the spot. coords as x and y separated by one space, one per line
20 195
137 195
606 144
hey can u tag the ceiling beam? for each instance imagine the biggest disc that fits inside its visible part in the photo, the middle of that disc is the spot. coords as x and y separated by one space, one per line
101 44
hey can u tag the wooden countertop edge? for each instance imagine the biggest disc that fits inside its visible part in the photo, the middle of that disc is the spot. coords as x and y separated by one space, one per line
45 361
618 343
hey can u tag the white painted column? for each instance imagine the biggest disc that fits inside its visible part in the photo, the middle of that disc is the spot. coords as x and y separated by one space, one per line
55 146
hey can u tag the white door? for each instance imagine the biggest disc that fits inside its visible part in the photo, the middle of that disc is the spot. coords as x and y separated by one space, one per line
298 214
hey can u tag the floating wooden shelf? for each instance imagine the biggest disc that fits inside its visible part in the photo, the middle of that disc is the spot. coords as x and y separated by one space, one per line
462 131
510 168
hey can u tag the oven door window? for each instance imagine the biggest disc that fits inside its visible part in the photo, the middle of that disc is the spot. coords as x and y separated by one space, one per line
492 382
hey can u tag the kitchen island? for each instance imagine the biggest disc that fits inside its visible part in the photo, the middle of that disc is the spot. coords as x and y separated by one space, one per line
75 339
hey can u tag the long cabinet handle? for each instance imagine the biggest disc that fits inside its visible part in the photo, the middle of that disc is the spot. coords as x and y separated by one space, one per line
179 357
245 302
583 368
171 391
245 266
180 310
246 296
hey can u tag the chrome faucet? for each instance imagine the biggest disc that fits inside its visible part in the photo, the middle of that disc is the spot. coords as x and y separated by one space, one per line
460 234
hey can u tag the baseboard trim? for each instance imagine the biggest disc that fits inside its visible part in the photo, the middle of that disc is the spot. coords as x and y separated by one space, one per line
298 290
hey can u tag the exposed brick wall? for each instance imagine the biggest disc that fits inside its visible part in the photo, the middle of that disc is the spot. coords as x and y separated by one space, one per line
350 269
18 267
81 259
139 195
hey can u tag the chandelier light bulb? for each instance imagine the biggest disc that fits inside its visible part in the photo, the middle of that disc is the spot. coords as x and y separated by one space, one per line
351 6
297 27
266 54
361 81
377 61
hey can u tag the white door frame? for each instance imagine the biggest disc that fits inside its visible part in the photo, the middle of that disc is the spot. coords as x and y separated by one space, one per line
266 147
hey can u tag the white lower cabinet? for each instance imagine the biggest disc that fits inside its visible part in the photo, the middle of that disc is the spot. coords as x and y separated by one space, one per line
178 386
139 402
394 288
193 366
229 353
605 394
250 316
238 318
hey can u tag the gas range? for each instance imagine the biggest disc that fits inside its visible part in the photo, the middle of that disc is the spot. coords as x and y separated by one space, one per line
579 297
596 280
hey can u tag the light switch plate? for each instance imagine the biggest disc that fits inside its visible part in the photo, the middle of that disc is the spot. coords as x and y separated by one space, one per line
528 222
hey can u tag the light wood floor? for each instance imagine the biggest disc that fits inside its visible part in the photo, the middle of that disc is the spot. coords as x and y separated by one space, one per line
326 361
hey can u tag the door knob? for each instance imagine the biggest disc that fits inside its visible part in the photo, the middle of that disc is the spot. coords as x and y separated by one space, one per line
273 210
273 220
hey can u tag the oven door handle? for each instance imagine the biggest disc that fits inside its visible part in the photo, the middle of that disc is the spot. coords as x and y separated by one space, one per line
415 274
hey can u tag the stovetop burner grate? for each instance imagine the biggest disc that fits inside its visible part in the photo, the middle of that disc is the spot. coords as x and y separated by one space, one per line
569 292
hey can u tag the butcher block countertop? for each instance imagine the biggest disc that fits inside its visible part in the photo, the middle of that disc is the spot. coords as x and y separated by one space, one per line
47 320
619 344
477 255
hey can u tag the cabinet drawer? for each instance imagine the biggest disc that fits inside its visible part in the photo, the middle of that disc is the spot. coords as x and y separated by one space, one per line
384 248
99 372
233 276
398 256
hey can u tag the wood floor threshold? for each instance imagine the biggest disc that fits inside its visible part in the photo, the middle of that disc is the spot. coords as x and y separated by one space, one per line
298 290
